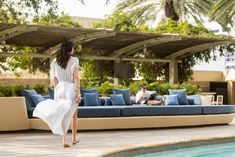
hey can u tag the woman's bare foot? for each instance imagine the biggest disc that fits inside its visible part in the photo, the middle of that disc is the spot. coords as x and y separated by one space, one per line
66 145
75 141
65 142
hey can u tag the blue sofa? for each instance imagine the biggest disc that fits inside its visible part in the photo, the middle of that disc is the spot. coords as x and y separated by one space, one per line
106 109
145 110
106 116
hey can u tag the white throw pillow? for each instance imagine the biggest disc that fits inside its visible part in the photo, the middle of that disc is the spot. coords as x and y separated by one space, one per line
206 100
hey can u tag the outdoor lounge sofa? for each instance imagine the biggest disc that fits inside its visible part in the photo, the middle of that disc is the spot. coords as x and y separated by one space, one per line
105 116
133 117
145 110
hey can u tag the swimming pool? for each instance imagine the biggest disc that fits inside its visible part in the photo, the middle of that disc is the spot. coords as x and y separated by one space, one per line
216 150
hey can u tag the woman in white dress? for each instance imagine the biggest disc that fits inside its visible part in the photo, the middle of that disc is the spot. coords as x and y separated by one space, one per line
58 113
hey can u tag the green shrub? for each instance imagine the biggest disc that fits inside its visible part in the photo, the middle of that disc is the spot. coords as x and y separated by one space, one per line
1 92
6 91
106 88
176 86
191 89
135 86
89 83
14 90
154 86
41 89
163 89
18 88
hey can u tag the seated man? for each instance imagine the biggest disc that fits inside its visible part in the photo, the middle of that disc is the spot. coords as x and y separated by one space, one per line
146 97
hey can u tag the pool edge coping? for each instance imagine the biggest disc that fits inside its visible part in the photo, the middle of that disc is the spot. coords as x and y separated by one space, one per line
140 149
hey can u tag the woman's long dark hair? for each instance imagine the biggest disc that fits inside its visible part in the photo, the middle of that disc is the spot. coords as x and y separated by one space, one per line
64 54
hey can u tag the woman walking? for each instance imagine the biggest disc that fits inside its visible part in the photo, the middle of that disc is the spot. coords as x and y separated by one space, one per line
58 113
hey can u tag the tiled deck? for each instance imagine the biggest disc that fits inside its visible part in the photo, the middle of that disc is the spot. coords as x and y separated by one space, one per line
40 143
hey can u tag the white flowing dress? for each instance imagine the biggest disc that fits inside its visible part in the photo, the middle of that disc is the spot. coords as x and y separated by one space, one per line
58 113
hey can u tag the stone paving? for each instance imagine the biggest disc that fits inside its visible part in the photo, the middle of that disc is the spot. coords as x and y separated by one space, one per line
94 143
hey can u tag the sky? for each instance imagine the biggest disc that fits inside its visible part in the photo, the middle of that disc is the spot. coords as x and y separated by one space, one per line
218 65
92 8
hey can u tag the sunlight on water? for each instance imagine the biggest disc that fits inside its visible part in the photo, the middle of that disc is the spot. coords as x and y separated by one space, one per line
218 150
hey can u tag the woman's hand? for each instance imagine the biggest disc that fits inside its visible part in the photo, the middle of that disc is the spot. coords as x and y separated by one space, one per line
78 98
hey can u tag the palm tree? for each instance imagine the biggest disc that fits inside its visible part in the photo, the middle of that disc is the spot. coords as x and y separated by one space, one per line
146 10
223 11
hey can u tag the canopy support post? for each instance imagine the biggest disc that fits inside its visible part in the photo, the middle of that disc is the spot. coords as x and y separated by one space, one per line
173 72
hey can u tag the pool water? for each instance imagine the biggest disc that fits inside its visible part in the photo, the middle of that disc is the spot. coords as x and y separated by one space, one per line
217 150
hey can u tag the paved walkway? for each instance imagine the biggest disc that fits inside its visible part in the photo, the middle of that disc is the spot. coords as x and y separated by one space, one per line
40 143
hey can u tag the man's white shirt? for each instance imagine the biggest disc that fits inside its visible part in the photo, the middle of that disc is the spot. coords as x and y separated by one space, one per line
145 95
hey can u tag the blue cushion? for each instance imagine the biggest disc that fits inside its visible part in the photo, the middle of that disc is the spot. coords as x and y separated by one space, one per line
190 100
194 99
171 100
181 94
108 101
117 100
46 97
29 101
133 100
145 110
126 95
159 97
197 99
51 92
91 99
102 101
99 111
88 90
37 99
82 102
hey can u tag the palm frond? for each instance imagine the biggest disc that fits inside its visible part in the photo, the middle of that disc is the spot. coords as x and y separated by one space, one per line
223 11
139 10
142 10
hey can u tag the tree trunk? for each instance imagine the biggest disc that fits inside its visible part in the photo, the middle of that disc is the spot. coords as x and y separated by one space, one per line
170 11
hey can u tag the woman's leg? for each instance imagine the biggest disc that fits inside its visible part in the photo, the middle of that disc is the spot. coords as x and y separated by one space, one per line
74 127
65 142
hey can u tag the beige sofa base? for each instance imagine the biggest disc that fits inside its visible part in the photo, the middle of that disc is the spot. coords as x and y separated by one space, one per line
142 122
13 114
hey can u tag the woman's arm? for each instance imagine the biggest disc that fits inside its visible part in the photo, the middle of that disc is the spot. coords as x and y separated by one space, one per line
76 77
55 81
